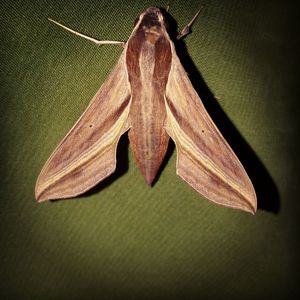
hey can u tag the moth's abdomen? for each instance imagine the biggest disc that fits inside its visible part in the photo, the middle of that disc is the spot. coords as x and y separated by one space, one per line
149 143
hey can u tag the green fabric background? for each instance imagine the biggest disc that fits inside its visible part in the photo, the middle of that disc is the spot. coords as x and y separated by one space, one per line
123 239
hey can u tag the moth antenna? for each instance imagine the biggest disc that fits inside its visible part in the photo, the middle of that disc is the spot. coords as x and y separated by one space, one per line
97 42
187 29
168 7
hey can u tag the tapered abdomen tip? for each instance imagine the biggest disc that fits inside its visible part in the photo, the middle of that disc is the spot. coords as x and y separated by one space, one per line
149 178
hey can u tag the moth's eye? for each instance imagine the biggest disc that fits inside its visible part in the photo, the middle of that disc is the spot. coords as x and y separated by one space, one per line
136 20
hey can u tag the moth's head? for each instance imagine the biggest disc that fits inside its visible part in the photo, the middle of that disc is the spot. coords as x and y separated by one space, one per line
152 16
152 23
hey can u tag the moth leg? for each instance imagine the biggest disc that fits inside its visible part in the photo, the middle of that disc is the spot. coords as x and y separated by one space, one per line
187 29
97 42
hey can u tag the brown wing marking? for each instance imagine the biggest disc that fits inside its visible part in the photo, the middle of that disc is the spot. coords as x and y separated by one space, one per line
87 154
204 159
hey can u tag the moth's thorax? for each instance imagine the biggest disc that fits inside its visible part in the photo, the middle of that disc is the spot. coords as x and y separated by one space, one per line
148 51
152 34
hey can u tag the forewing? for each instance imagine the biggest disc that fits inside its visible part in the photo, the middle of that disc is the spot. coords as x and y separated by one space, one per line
204 159
87 154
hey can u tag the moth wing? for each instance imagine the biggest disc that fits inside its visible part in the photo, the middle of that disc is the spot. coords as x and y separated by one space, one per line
87 154
204 159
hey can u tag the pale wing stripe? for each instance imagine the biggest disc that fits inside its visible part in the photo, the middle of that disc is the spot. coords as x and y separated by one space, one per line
188 147
108 139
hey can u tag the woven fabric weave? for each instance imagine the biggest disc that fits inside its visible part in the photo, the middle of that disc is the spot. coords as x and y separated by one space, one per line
124 240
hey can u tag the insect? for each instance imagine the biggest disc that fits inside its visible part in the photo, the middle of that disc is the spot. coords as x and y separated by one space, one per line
148 94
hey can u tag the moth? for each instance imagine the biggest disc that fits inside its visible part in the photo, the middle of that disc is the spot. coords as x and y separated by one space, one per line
148 94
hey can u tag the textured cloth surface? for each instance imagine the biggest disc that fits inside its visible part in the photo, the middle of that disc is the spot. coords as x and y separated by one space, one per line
124 240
